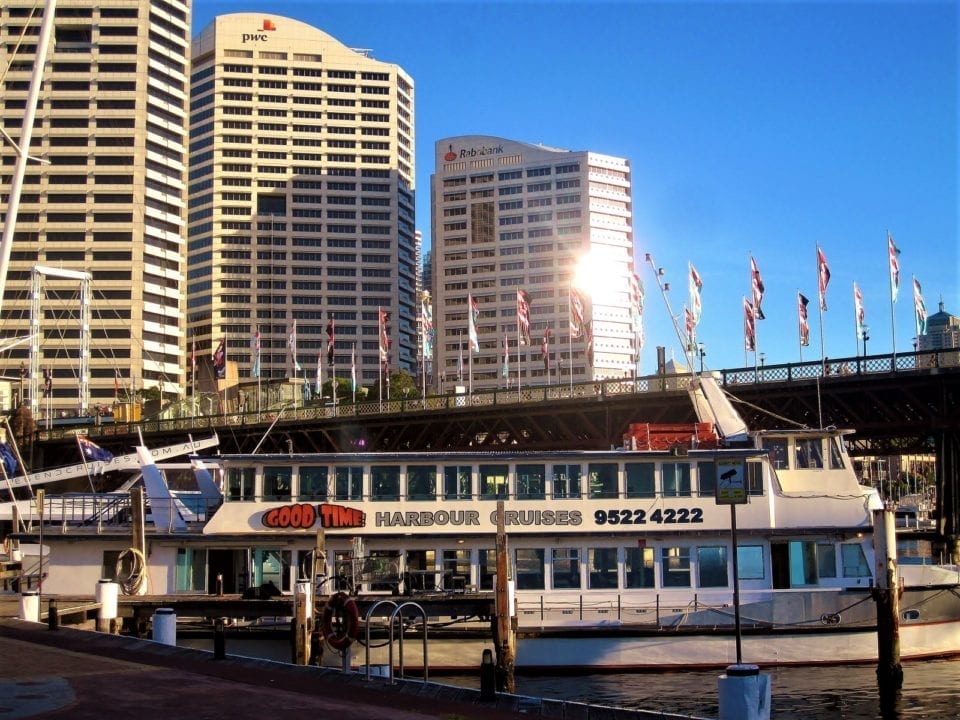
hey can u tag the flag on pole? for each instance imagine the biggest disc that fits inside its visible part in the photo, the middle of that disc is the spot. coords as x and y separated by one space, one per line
220 359
545 349
116 378
331 339
460 360
91 451
319 380
758 289
426 320
353 368
576 313
47 382
505 370
523 316
636 310
802 303
384 342
255 349
473 315
589 329
823 277
696 307
919 309
893 252
292 347
859 309
689 324
749 328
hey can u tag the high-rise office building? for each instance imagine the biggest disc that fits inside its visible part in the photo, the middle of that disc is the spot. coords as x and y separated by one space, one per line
510 216
301 199
102 202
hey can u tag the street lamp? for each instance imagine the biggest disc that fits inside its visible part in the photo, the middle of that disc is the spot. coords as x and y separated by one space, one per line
763 359
702 353
866 337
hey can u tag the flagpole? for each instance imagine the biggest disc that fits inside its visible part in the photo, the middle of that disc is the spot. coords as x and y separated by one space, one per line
380 356
570 354
353 373
518 354
820 292
893 322
756 329
86 469
856 322
799 334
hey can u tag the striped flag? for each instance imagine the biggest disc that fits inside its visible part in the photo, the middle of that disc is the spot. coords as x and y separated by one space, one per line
919 309
523 316
859 309
576 313
319 379
893 252
802 303
758 289
255 349
749 328
505 370
220 359
473 315
696 306
823 277
292 347
690 323
384 341
331 339
636 309
353 368
545 349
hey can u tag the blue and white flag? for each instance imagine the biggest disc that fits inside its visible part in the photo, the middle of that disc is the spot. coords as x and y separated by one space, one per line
91 451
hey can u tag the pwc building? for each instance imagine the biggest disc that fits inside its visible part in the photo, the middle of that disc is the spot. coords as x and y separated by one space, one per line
301 199
511 216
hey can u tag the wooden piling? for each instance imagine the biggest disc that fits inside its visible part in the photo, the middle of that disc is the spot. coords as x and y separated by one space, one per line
503 635
887 596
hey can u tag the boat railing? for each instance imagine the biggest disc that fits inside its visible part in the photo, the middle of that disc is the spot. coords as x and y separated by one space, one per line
666 610
101 512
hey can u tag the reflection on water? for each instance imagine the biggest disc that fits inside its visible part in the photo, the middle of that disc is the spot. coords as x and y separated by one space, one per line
931 689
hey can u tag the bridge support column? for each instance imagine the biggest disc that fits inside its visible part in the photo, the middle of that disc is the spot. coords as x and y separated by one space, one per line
947 443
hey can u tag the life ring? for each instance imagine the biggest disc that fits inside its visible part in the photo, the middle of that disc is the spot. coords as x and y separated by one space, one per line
340 621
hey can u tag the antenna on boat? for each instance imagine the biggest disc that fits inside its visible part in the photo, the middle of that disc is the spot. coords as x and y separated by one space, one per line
658 273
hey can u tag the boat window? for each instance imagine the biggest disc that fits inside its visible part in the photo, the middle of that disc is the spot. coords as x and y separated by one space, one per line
754 471
706 479
639 566
602 568
457 482
488 569
456 569
348 483
675 564
836 456
566 567
240 483
640 480
809 453
313 483
530 482
421 571
777 447
676 479
493 482
272 567
750 562
854 561
276 483
385 482
529 566
566 481
827 560
712 567
803 563
422 482
191 570
602 479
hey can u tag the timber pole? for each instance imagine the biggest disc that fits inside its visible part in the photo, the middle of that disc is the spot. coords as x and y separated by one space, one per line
887 596
504 636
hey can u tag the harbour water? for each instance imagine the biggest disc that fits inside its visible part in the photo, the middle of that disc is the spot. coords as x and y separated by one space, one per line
931 689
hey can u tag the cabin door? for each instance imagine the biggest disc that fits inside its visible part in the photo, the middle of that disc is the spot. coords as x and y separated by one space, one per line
780 564
230 566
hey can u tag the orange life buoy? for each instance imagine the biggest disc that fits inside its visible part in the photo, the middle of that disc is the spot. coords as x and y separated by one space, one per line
340 621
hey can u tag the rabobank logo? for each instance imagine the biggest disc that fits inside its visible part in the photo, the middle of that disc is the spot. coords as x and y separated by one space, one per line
451 155
480 151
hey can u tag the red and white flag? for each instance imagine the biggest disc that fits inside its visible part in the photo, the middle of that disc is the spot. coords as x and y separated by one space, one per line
749 327
576 313
858 309
384 341
919 309
893 252
758 289
523 316
473 312
802 303
823 277
696 306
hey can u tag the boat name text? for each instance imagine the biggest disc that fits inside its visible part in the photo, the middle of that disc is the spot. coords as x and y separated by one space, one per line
302 516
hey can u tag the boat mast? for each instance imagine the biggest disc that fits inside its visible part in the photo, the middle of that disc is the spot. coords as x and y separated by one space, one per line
26 136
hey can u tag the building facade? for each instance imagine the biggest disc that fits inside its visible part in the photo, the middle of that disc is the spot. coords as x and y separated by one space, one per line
943 334
511 216
301 200
104 198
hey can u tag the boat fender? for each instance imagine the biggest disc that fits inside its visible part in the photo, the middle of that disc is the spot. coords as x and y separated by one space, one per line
340 621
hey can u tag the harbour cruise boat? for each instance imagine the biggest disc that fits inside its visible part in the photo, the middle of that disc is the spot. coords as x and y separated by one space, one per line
620 558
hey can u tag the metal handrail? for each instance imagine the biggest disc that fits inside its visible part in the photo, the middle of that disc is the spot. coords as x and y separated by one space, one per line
393 616
366 623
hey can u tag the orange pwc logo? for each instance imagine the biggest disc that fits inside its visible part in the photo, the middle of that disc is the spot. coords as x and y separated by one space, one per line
268 24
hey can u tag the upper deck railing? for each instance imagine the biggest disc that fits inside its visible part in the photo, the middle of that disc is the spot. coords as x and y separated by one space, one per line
833 368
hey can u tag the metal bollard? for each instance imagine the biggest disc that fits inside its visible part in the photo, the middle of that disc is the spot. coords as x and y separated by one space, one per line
488 677
165 626
53 615
219 640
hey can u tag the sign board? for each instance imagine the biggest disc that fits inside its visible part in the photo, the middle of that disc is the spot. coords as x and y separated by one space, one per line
731 482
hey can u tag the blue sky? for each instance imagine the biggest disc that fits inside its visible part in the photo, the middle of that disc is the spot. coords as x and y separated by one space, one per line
752 128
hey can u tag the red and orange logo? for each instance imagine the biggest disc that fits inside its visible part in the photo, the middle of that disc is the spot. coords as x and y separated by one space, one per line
268 24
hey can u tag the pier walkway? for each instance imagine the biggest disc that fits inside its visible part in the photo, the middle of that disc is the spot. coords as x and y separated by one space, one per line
84 675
